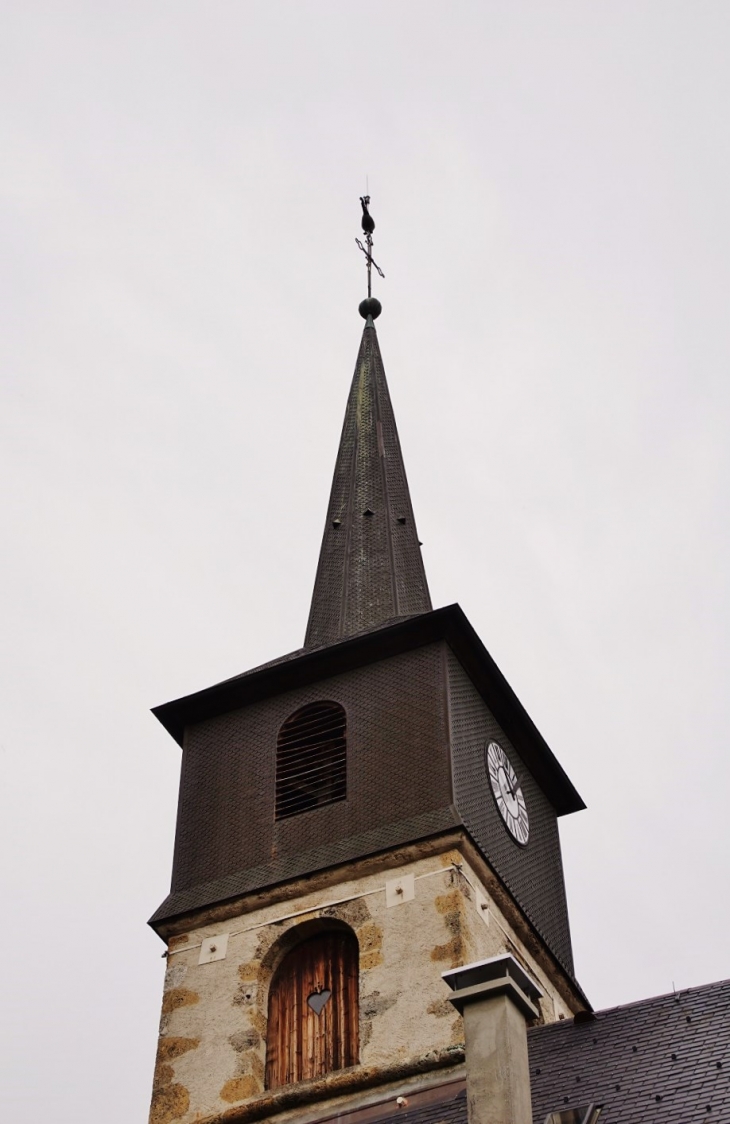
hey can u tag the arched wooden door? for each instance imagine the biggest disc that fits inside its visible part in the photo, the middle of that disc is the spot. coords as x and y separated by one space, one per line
313 1010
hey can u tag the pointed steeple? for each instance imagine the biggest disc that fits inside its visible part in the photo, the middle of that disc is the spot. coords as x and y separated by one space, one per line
370 567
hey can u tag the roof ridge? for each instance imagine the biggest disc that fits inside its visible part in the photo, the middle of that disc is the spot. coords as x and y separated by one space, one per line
715 985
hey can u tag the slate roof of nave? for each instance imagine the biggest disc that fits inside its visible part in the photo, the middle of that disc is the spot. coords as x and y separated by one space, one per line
664 1060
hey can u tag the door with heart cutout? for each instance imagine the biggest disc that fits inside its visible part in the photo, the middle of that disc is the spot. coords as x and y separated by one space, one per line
313 1010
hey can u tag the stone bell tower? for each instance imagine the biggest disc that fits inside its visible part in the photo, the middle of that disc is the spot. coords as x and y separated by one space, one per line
355 819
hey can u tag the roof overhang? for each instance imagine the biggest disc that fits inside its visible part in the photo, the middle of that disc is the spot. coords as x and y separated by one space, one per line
449 624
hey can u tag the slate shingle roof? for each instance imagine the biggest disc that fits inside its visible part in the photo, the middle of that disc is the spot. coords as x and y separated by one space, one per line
660 1061
449 1111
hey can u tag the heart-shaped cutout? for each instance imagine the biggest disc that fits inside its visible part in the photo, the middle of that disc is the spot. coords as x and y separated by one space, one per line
318 1000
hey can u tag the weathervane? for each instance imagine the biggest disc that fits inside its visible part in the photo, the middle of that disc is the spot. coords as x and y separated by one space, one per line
371 306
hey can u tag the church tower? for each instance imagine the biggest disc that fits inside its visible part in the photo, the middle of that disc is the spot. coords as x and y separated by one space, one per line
355 819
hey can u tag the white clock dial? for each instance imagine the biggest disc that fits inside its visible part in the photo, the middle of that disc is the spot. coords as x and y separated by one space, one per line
507 793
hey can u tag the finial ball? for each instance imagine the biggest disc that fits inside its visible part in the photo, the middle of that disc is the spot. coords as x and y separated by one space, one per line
371 306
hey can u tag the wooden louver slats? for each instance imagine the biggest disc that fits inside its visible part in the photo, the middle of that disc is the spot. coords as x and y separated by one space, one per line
311 759
301 1043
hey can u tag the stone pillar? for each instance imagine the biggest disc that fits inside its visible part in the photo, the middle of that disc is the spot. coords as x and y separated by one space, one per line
496 998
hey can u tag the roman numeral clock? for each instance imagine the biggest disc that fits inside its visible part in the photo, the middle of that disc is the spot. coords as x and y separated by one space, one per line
507 793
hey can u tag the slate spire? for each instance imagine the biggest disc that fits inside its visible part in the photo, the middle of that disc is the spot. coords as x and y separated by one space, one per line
370 567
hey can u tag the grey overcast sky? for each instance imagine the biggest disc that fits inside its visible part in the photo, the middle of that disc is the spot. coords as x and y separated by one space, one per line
179 185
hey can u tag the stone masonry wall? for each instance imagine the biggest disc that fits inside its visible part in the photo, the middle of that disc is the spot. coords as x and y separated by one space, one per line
212 1044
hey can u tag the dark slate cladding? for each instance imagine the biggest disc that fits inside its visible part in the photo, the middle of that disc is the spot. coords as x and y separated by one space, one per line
662 1061
399 790
533 873
370 567
398 783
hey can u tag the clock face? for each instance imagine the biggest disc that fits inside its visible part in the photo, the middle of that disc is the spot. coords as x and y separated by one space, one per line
507 793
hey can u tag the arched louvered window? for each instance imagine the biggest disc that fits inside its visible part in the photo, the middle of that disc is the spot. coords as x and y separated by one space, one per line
311 759
313 1010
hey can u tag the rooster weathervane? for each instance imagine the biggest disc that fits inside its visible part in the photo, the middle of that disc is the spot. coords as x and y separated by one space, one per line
371 307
